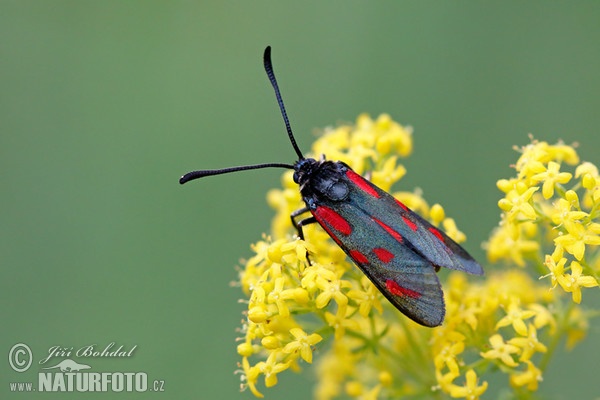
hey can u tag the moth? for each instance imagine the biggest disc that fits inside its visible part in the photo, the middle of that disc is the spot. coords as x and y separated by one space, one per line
399 251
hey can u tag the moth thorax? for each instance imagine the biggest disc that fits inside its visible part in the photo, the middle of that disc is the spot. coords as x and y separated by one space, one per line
330 186
337 191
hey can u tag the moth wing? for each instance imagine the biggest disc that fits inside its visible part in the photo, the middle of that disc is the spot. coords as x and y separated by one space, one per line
432 243
418 296
406 278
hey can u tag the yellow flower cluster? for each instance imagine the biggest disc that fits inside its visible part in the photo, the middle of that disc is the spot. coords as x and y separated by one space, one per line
507 322
558 228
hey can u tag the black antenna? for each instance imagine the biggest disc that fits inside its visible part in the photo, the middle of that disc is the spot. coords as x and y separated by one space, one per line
271 75
190 176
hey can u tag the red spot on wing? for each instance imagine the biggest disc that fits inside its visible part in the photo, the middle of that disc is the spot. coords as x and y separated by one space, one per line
410 224
437 234
362 183
358 257
398 290
401 204
389 230
330 217
383 254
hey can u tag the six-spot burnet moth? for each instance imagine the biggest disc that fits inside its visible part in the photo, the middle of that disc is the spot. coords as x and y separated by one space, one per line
398 250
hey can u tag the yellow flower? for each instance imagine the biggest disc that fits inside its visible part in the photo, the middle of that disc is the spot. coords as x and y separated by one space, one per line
551 177
303 344
563 153
447 355
278 296
528 345
250 376
515 316
271 368
543 317
471 390
529 163
564 214
445 380
586 168
529 378
340 321
510 242
367 298
501 350
506 185
556 269
517 202
573 282
392 137
578 236
331 288
536 154
300 293
389 174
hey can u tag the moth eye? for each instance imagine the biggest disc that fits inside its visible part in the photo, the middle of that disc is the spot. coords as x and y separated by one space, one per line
296 177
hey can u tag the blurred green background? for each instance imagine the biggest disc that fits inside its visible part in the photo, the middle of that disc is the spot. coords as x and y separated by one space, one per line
104 104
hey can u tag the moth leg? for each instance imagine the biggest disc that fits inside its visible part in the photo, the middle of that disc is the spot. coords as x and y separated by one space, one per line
303 222
299 224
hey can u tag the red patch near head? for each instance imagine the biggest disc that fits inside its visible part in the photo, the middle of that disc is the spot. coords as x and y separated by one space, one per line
398 290
362 183
336 221
383 254
358 257
410 224
389 230
437 234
